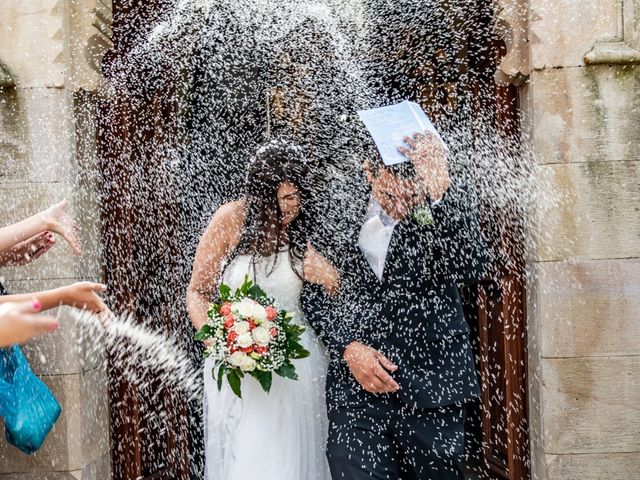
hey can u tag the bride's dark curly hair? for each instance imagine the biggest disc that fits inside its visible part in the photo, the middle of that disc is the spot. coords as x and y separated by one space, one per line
275 162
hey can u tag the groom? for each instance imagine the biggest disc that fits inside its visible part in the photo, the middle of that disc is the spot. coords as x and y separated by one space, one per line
402 366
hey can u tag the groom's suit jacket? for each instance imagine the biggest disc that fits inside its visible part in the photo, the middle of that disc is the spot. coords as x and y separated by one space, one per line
414 314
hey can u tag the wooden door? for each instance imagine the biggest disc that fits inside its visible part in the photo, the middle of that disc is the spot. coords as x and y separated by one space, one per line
501 299
136 135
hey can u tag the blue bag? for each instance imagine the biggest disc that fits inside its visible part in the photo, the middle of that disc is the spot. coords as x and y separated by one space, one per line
27 405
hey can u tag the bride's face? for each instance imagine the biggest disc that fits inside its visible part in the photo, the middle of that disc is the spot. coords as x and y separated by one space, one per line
289 202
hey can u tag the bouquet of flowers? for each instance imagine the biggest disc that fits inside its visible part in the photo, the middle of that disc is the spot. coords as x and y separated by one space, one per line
249 335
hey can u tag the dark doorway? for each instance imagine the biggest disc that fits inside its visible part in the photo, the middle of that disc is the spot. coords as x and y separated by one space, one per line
453 81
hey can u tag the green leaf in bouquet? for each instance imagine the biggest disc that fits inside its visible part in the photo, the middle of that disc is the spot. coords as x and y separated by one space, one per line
265 379
287 370
300 352
225 292
245 287
299 330
256 293
234 382
220 377
205 332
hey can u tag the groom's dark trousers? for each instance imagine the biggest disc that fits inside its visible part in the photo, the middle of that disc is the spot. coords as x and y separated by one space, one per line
414 316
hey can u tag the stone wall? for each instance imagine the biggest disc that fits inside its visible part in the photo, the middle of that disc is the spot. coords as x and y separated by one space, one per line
47 153
584 309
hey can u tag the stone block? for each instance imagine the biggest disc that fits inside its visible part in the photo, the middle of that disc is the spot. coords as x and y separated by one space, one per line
14 141
563 31
587 211
612 466
95 438
32 41
588 114
98 470
534 399
49 129
590 405
588 308
60 262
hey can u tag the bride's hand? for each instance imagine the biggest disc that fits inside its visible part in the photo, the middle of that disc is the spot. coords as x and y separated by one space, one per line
58 220
319 270
370 368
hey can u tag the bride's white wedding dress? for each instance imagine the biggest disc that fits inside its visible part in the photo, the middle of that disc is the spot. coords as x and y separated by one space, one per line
275 436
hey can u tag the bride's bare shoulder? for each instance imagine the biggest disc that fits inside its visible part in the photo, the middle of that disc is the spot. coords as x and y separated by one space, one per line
228 220
231 212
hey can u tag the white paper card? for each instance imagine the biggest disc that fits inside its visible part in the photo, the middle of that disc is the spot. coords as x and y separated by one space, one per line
389 125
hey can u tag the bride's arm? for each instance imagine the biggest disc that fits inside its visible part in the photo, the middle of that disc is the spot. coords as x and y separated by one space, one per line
319 270
322 301
218 240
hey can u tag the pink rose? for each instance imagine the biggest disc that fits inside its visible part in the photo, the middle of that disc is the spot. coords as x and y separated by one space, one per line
232 337
272 313
225 309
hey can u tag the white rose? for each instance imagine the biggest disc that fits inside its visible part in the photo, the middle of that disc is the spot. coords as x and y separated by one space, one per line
241 327
262 336
248 308
237 359
245 340
248 364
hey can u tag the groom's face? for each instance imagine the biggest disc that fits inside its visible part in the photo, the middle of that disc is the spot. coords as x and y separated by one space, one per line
397 196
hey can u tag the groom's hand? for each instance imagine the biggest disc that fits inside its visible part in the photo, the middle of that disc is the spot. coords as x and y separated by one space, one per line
429 158
369 367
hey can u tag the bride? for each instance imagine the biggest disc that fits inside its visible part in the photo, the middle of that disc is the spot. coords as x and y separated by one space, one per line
280 435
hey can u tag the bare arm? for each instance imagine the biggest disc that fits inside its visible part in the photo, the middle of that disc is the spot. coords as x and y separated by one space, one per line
83 295
217 242
319 270
54 218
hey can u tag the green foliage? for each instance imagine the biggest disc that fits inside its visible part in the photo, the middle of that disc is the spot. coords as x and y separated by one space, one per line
225 292
233 377
265 379
221 372
205 332
287 370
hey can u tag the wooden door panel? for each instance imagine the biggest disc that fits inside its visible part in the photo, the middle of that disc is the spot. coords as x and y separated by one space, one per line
149 436
503 371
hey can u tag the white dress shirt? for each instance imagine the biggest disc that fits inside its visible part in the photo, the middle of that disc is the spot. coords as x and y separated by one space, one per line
375 236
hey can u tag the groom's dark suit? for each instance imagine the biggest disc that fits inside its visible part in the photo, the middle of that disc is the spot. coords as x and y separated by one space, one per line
414 316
